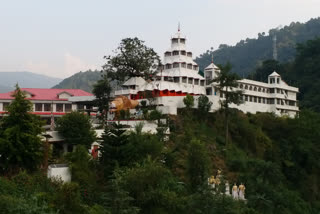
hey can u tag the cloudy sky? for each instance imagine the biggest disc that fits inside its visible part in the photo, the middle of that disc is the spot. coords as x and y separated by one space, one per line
61 37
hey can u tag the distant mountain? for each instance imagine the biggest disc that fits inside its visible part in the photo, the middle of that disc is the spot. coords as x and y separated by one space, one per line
4 89
82 80
248 54
25 80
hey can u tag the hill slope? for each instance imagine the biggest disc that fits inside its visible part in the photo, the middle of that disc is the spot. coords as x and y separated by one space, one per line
247 54
81 80
25 80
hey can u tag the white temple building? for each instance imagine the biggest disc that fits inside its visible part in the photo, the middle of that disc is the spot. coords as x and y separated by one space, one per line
180 76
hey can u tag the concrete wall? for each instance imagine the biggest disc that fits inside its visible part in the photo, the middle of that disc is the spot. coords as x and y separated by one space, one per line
59 171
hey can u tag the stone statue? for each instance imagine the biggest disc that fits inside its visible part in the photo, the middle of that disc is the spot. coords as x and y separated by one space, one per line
227 188
242 189
212 181
235 194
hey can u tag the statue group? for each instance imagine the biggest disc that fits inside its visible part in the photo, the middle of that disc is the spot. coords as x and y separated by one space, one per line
238 193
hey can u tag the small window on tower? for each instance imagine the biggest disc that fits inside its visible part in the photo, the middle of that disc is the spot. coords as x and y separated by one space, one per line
183 41
196 81
174 40
183 65
184 79
176 65
183 53
175 53
189 54
190 80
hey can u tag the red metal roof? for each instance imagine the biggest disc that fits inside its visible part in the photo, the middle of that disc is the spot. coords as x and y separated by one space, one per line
46 94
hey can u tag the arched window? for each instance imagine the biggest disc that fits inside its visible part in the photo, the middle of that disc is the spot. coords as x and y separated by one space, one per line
241 86
255 89
250 88
246 87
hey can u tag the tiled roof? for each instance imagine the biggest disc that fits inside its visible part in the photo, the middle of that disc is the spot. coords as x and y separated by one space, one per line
46 94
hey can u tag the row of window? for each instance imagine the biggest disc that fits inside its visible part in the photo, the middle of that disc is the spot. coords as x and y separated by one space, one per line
263 100
176 53
262 89
182 65
176 40
183 80
47 107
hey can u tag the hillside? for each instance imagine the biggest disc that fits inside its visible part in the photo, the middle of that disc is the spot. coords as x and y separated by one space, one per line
25 80
81 80
248 54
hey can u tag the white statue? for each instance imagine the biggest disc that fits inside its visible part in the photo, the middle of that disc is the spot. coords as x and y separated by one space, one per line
235 194
242 189
227 188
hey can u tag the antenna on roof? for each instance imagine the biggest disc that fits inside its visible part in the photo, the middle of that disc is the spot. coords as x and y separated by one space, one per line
211 58
178 26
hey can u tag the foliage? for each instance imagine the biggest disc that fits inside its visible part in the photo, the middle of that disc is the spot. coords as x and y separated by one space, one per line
198 164
188 101
249 53
76 129
20 144
102 90
155 115
204 105
132 58
82 80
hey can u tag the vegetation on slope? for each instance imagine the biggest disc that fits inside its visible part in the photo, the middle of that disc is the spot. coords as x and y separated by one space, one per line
248 54
82 80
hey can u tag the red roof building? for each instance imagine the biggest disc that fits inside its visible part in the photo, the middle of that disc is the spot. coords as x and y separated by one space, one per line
48 102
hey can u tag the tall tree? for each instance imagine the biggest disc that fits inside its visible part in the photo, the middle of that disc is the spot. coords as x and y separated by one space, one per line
227 83
132 58
20 144
77 129
102 90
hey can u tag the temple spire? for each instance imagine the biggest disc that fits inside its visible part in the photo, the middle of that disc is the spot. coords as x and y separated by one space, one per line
211 58
178 26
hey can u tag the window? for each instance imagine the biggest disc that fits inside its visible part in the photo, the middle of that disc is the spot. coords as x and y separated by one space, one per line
202 82
272 80
291 103
167 54
246 98
259 89
196 81
183 41
59 107
278 91
278 80
255 89
250 88
264 100
47 107
183 53
176 79
80 107
246 87
209 91
278 101
271 90
166 79
175 53
68 107
189 54
183 65
263 90
168 66
38 106
189 66
184 79
259 100
5 106
255 99
241 86
190 80
195 67
174 40
250 98
176 65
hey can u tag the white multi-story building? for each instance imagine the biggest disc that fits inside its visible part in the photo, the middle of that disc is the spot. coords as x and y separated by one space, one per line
179 76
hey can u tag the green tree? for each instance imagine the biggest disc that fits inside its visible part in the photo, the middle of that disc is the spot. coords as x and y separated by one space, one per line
76 128
132 58
102 90
188 101
20 144
198 164
204 105
227 84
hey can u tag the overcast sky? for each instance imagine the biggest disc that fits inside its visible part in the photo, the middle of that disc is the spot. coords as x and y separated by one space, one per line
61 37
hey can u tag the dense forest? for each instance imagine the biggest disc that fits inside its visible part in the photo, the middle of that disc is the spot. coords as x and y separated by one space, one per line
248 54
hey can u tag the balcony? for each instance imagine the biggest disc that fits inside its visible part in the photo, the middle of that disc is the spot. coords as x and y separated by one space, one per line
125 92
